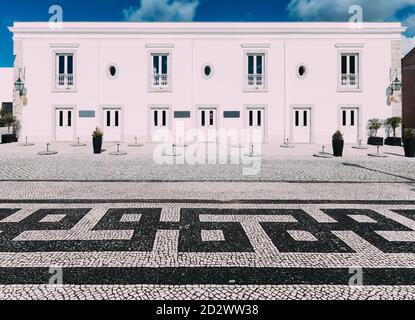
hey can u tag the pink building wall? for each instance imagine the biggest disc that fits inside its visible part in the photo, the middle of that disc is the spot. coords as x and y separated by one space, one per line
192 45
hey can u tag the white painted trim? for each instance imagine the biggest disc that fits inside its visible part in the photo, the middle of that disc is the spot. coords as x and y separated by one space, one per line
255 45
341 88
64 45
21 29
360 124
152 107
55 88
294 107
160 45
74 120
245 87
169 53
349 45
122 118
264 107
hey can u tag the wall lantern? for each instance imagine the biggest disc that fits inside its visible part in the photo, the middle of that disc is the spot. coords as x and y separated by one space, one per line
19 86
396 84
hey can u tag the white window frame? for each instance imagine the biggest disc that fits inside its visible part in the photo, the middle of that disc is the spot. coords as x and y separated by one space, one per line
246 86
55 68
169 86
349 88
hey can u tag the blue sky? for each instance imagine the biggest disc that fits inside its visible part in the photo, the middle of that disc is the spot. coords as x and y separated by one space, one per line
202 10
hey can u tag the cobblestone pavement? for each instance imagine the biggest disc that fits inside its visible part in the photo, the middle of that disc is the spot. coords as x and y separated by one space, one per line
277 164
107 227
161 250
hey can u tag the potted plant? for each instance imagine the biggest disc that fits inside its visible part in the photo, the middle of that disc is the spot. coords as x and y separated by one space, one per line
373 126
8 119
392 124
409 143
97 136
338 144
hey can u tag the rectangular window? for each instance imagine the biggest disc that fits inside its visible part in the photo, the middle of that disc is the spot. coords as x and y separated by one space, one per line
160 64
352 64
65 70
344 64
344 118
305 120
350 70
212 118
164 68
250 64
259 118
69 118
117 118
70 64
60 118
251 118
297 118
259 64
61 65
203 118
156 64
352 118
156 118
164 118
108 118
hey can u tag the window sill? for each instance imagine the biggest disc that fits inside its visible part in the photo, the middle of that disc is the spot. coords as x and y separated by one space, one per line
253 90
72 90
155 90
342 89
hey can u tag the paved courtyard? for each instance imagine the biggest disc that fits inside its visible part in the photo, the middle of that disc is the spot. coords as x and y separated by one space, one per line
77 226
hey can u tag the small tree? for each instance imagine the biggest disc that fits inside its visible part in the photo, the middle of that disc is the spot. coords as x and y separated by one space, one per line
374 125
393 124
8 120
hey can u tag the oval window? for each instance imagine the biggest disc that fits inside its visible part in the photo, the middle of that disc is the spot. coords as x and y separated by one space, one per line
207 71
302 71
112 71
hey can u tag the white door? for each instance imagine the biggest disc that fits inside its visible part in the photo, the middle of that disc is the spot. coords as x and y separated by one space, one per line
64 125
302 125
112 125
349 125
159 123
208 125
256 125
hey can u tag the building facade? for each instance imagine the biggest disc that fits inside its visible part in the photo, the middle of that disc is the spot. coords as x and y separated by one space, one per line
295 81
408 90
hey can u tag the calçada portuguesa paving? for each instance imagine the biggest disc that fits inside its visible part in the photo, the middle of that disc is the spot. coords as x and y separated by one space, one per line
126 228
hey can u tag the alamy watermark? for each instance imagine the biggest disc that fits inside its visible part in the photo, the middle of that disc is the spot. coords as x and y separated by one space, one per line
210 147
56 276
56 19
357 277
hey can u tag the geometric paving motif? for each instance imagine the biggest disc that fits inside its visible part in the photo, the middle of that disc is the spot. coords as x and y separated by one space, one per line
207 246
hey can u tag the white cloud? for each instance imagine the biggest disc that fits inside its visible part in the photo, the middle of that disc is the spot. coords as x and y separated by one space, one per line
338 10
162 10
408 43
